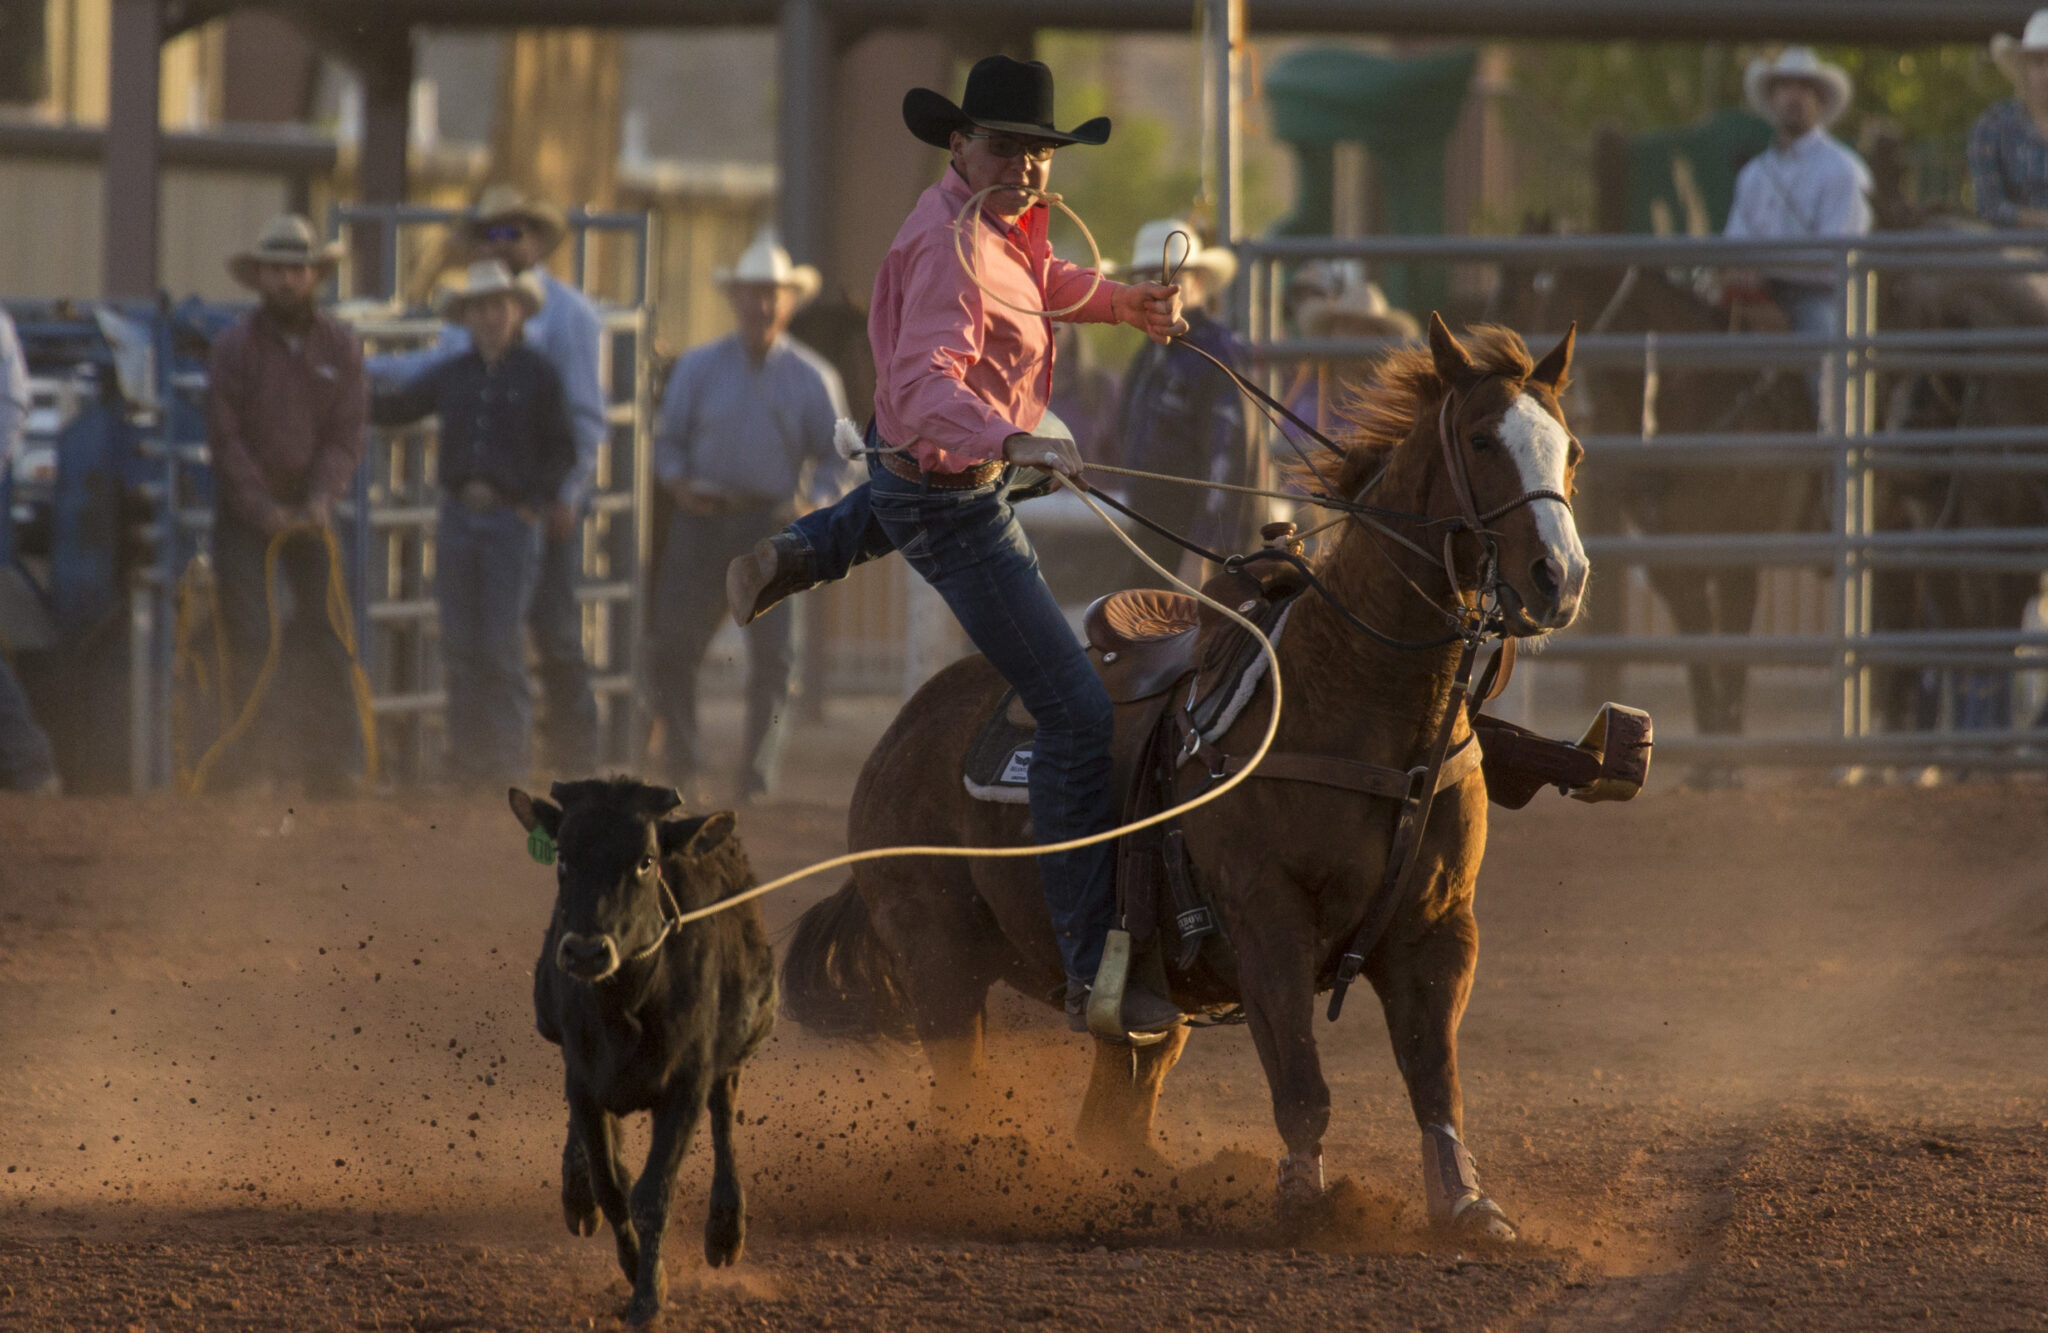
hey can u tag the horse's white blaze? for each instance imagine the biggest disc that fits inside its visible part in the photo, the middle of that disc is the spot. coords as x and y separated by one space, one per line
1541 448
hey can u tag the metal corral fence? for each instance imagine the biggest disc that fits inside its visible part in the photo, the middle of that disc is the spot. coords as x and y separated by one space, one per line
394 516
1851 448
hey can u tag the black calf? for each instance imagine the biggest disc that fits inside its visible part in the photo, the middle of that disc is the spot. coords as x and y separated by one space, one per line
650 1016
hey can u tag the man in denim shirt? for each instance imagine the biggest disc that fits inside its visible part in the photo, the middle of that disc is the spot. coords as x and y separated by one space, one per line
520 233
505 450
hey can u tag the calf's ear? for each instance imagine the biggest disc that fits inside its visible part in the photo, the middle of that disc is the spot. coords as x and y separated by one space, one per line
696 837
532 810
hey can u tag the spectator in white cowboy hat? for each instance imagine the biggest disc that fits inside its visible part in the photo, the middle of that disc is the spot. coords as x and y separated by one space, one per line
506 445
2009 143
745 434
520 232
285 410
1807 183
1180 415
1349 305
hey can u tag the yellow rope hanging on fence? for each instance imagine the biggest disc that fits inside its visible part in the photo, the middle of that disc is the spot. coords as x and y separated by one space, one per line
340 617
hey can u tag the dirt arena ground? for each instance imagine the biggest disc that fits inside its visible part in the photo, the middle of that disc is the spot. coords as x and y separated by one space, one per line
1762 1059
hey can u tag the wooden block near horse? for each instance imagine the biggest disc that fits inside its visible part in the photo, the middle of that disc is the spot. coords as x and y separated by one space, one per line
651 1015
1358 856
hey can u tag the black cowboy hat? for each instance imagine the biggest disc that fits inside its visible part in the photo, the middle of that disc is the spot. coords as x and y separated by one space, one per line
1004 95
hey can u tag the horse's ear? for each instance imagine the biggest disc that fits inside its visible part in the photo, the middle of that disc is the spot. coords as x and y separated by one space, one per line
1453 364
1552 369
532 810
695 837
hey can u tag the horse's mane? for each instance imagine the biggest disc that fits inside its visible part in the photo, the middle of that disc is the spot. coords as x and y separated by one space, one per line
1378 413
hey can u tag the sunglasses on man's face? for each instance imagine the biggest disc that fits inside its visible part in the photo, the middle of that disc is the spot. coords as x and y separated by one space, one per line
1008 146
504 231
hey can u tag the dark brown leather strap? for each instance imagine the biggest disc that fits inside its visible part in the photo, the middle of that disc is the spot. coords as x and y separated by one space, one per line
1328 770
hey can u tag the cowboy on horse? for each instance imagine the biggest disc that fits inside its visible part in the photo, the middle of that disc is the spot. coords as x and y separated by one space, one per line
964 367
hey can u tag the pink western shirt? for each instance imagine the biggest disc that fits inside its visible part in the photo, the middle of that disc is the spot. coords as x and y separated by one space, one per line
956 373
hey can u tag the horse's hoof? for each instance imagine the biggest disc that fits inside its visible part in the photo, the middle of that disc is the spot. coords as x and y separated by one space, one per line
1301 1185
1480 1218
642 1312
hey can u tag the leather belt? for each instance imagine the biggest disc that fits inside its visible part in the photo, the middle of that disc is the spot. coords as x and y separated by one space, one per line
981 474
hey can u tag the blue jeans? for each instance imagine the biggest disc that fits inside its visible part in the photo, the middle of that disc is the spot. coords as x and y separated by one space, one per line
1811 310
486 562
689 604
26 762
569 728
967 544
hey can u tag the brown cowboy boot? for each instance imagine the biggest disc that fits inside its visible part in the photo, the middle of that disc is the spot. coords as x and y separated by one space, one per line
764 576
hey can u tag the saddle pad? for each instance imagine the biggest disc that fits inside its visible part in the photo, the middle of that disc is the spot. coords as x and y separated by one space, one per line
998 766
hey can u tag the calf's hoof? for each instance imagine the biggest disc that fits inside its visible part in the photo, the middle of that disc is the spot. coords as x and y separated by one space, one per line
649 1295
582 1220
579 1200
725 1235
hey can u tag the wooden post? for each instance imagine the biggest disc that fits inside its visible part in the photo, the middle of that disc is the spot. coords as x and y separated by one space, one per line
805 59
130 205
385 67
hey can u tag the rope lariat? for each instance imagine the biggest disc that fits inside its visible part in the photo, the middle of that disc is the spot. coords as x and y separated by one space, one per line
970 216
340 618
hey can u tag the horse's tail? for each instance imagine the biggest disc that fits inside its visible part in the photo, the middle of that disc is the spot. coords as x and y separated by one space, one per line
837 977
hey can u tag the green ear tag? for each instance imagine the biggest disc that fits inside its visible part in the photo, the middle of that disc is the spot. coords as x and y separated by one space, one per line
540 845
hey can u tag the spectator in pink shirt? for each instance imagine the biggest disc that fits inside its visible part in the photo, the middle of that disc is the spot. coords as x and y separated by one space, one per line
962 384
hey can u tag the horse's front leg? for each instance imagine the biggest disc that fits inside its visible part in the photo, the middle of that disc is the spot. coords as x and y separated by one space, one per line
1276 965
1423 977
1123 1095
675 1119
725 1226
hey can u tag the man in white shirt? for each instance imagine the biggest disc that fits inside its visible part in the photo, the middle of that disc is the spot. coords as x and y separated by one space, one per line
1807 183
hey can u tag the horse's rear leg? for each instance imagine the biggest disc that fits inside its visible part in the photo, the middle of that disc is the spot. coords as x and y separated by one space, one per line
1423 983
943 944
1123 1094
1736 595
1685 594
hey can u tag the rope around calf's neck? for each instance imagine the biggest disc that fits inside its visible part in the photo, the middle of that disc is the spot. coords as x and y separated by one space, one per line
1072 844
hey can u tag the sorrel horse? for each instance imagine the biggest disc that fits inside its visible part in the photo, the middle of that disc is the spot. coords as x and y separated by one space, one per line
912 946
